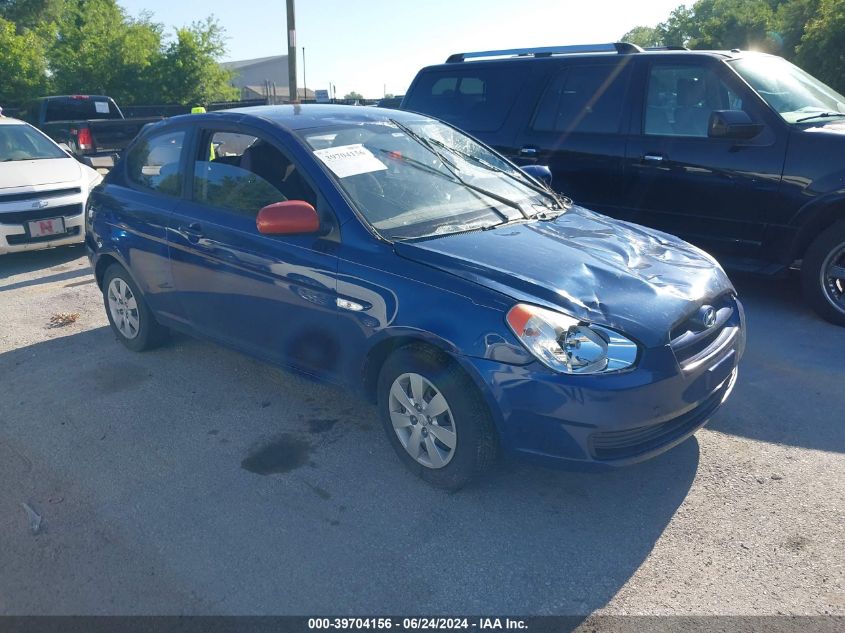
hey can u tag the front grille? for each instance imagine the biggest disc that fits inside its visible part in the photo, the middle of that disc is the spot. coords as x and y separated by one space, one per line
17 217
40 195
15 240
692 342
611 445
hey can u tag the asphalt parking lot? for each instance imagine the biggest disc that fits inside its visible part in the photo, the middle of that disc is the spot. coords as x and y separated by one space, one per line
141 470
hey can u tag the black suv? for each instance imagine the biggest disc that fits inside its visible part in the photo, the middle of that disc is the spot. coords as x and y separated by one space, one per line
740 153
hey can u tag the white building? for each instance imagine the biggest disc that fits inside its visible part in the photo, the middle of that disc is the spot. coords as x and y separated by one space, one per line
264 77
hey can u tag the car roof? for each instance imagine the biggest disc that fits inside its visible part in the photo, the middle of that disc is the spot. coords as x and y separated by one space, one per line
552 59
5 120
311 115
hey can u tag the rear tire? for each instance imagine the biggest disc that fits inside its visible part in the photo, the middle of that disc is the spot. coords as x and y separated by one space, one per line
823 274
443 432
129 317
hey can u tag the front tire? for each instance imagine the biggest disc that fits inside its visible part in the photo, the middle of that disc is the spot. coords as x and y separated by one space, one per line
823 274
435 418
129 317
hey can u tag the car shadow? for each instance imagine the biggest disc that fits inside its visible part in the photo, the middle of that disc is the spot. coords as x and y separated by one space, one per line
29 261
790 381
155 443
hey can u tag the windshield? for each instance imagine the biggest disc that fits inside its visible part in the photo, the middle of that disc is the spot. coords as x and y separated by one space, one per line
21 142
795 95
423 178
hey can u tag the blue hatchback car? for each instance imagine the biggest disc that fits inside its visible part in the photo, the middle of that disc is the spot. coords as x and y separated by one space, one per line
391 253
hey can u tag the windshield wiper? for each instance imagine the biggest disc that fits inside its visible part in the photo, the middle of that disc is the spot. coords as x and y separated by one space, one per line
453 170
820 115
456 179
488 165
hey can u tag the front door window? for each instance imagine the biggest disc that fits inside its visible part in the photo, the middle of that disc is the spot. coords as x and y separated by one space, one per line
681 98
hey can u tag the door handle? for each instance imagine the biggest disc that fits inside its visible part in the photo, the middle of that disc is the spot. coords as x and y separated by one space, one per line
193 231
528 151
654 158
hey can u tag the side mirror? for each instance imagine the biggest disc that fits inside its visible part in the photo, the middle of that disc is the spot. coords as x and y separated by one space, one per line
539 172
732 124
292 217
66 149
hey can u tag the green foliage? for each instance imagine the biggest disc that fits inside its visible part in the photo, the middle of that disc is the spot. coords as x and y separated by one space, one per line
791 19
726 24
353 95
22 61
809 32
94 47
188 72
822 45
30 14
644 36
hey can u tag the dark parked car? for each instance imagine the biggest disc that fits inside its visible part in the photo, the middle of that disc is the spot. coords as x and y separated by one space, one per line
92 126
739 153
390 253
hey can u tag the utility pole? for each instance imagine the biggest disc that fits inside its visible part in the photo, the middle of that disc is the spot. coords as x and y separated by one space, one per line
292 96
304 83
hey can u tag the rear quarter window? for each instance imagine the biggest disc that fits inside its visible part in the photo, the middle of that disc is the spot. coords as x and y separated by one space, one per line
474 99
154 163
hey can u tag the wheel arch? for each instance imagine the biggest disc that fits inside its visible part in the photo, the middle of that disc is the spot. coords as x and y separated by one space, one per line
813 219
380 352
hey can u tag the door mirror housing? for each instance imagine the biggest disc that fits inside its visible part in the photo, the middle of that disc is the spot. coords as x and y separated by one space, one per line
539 172
292 217
66 149
732 124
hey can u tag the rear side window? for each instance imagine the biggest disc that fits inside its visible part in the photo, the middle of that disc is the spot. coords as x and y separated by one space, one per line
80 109
475 99
154 163
583 99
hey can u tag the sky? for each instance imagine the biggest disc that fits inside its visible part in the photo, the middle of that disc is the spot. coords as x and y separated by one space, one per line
377 46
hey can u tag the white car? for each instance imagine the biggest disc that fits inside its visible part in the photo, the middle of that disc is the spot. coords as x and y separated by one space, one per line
43 190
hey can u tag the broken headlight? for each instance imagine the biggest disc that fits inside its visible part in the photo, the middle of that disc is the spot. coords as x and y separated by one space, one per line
568 345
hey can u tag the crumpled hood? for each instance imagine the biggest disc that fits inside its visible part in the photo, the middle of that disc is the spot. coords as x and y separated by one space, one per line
627 277
30 173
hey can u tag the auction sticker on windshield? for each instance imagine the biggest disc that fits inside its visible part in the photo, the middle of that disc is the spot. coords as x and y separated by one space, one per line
350 160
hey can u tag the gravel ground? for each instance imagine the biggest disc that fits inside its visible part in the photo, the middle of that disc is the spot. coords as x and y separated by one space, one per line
137 464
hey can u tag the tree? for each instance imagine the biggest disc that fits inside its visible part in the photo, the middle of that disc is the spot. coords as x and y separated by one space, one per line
353 95
30 15
644 36
22 61
808 32
188 72
677 29
726 24
791 18
822 46
99 50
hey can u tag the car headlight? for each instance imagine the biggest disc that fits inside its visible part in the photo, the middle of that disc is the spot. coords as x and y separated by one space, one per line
568 345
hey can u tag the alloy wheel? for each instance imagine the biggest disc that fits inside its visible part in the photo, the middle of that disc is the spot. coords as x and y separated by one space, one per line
123 308
833 277
422 420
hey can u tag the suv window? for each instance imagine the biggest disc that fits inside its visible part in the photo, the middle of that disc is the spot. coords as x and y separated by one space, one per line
243 173
476 99
680 99
582 99
154 163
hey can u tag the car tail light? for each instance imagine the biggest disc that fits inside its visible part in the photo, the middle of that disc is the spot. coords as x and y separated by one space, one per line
84 139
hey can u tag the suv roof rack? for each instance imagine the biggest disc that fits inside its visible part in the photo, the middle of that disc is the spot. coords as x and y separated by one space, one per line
547 51
666 48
